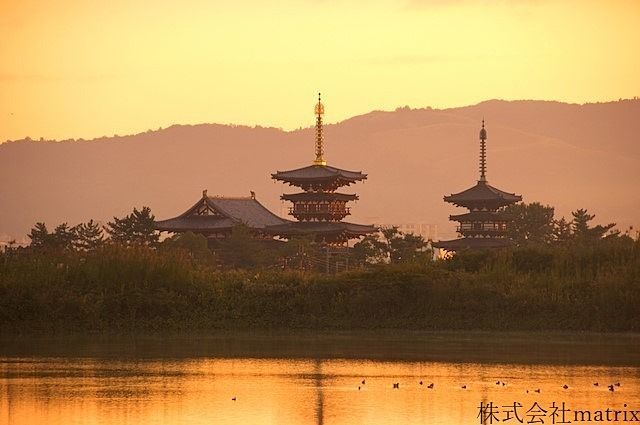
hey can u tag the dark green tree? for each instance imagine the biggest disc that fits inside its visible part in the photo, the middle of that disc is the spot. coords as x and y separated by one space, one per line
581 229
195 244
370 249
241 249
137 228
408 248
394 246
530 223
89 236
562 230
63 237
40 236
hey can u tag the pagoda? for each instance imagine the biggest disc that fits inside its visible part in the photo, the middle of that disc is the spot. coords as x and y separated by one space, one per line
485 225
320 209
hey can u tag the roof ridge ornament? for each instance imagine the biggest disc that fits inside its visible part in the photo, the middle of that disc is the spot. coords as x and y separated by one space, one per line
483 154
319 110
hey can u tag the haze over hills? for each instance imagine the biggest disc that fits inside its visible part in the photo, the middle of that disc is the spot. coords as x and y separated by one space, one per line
565 155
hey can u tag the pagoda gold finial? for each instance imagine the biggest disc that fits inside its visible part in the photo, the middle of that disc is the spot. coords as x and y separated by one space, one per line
319 142
483 153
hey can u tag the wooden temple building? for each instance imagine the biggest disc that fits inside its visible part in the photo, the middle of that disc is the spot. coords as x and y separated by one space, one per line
485 225
216 216
319 209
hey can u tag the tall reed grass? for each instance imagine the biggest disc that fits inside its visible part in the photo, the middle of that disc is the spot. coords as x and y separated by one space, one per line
593 287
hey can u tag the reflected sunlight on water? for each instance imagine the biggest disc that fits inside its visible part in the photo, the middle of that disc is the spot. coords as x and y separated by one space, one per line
58 390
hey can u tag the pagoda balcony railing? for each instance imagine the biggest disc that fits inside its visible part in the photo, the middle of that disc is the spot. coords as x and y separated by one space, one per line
328 216
319 209
482 227
481 232
319 217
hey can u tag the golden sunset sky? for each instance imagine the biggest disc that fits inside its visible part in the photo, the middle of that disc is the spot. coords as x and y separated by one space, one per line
85 68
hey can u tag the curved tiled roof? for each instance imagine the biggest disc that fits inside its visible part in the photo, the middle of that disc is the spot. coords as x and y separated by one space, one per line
317 173
224 213
319 196
320 227
248 211
195 224
483 192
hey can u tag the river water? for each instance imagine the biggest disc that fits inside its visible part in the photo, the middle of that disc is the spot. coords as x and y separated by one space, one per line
330 379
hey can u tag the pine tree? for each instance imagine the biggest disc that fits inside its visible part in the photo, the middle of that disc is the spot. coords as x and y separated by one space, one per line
89 236
561 230
137 228
40 236
396 246
63 237
581 229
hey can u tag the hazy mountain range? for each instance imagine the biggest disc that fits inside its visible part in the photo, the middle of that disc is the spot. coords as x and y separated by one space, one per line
565 155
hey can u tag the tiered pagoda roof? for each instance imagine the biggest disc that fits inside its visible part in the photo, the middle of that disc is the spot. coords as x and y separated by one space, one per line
324 230
485 225
320 209
317 177
482 194
308 196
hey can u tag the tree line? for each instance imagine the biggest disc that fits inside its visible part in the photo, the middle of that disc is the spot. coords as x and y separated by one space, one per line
535 223
532 225
136 229
120 277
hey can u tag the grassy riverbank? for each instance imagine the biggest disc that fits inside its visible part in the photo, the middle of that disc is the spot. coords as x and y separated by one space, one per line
583 288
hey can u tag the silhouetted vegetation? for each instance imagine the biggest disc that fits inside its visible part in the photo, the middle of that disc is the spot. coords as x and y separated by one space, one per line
114 288
75 278
138 228
83 237
535 224
392 246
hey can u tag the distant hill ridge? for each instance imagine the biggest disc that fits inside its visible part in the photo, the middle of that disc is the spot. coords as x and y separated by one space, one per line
566 155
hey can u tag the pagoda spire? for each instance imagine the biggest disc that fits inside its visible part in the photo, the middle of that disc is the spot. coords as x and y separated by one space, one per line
483 153
319 145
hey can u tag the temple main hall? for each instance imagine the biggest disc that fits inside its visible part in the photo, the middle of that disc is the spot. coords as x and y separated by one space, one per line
216 216
485 225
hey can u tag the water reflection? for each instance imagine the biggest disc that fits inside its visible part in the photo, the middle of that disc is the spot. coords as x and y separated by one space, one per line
319 391
293 390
